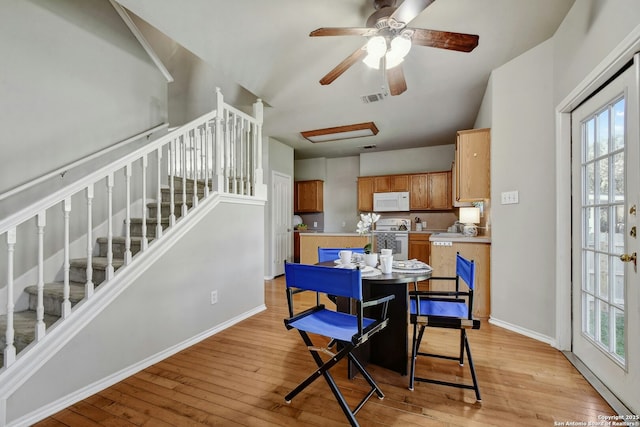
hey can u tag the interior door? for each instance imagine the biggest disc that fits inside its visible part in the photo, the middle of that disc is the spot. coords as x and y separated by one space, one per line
606 189
282 215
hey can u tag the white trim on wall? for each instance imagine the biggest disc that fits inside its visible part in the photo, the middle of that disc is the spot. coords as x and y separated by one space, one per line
607 68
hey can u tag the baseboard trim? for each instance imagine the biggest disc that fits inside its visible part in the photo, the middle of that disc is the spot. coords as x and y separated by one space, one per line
602 389
522 331
106 382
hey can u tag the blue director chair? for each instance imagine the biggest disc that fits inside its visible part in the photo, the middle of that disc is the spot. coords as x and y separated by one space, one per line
348 330
441 309
332 254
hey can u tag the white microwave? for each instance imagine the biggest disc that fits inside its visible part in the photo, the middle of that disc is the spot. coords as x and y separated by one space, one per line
391 202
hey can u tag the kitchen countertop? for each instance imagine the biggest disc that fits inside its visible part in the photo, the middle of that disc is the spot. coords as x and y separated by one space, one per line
324 233
458 237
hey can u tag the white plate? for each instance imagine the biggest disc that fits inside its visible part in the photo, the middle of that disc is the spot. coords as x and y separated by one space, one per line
411 265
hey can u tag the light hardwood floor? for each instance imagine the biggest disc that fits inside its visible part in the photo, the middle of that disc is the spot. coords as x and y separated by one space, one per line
239 377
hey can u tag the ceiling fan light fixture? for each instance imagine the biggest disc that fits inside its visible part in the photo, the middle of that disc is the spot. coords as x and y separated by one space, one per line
377 46
341 132
372 62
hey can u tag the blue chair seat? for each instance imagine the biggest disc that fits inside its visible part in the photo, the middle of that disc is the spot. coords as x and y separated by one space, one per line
336 325
440 308
346 331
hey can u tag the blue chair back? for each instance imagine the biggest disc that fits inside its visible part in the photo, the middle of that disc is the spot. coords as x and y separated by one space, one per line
331 254
334 281
466 270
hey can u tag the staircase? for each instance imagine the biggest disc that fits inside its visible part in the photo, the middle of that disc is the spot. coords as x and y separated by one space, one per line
53 295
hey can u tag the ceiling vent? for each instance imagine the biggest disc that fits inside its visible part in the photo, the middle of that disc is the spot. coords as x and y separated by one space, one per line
375 97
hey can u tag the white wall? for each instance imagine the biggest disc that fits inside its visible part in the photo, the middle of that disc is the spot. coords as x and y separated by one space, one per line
74 80
423 159
522 159
341 195
519 106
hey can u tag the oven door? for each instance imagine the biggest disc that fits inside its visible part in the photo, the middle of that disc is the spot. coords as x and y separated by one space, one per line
398 242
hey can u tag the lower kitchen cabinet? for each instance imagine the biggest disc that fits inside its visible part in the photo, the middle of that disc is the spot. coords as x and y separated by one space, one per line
419 246
309 243
443 262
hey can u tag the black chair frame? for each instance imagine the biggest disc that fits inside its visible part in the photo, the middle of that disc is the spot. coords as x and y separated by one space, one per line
421 321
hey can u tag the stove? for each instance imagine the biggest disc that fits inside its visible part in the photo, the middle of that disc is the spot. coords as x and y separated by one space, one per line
393 233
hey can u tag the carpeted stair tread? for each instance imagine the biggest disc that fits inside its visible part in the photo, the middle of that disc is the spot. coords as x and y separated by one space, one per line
97 262
24 325
56 290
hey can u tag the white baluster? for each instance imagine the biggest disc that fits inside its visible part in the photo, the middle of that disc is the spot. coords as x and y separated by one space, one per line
159 194
172 174
66 304
184 174
228 131
89 284
219 143
143 241
127 220
110 270
41 328
194 157
207 151
10 348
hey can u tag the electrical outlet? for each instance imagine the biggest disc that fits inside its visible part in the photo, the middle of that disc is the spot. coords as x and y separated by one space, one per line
214 297
315 224
509 197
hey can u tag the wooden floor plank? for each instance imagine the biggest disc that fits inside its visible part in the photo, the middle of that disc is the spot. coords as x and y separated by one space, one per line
241 375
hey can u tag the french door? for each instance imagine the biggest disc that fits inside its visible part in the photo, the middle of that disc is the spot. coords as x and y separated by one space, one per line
605 204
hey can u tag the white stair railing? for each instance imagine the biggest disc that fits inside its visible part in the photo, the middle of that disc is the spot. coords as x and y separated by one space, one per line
218 152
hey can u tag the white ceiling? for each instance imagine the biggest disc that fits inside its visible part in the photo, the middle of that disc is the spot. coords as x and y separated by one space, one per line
264 46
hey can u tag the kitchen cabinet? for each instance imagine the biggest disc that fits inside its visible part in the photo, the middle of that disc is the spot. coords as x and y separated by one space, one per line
443 261
430 191
308 196
365 193
439 187
472 165
309 243
390 183
419 246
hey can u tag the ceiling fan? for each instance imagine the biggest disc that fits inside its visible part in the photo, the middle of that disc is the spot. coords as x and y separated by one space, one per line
390 39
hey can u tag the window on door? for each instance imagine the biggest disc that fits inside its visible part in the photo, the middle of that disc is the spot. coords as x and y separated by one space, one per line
603 182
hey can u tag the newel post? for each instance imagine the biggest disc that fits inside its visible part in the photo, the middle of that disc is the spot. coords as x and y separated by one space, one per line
259 185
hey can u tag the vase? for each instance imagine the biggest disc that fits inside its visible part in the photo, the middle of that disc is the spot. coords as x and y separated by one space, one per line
371 259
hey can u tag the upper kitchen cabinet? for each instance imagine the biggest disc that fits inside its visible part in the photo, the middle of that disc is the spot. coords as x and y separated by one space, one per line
365 193
472 165
390 183
308 196
430 191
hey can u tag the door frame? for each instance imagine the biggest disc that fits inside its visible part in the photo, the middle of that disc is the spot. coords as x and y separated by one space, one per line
605 70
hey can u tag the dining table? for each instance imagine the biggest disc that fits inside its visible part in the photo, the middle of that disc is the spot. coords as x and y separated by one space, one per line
388 348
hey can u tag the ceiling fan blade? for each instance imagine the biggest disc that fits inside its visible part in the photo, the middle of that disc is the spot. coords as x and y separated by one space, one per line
395 78
444 39
409 9
343 66
348 31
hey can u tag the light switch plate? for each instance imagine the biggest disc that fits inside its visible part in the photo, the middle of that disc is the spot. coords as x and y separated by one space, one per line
509 197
